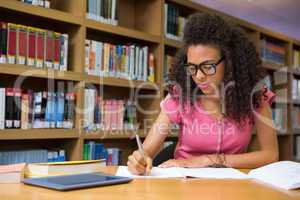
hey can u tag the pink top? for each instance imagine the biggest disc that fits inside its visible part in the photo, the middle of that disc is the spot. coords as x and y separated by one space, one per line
201 133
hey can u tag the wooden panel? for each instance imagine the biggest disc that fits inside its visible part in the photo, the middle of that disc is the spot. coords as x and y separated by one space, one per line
52 14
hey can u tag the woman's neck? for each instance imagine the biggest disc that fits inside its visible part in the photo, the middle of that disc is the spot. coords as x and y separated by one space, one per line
211 105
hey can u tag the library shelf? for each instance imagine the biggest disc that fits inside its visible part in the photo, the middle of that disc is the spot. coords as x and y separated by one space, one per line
23 70
29 134
122 31
173 43
120 82
112 134
48 13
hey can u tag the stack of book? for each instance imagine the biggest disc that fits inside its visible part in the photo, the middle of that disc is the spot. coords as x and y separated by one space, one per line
174 24
296 59
103 11
41 3
32 156
32 46
110 114
27 109
12 173
121 61
35 170
94 151
272 52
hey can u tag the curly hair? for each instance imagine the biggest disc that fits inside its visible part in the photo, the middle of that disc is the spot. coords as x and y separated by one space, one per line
242 64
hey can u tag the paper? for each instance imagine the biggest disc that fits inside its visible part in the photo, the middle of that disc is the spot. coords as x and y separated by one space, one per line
284 174
218 173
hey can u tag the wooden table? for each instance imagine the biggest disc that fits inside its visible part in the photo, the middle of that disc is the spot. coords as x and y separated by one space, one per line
156 189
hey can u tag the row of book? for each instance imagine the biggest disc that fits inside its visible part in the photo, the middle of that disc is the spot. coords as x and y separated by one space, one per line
27 109
280 119
41 3
108 114
96 151
296 59
32 46
32 156
122 61
104 11
272 52
296 89
296 117
174 24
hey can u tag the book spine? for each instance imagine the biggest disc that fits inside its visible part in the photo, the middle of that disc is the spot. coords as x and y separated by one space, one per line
2 108
40 47
49 49
57 50
31 45
11 43
25 112
22 45
3 42
9 108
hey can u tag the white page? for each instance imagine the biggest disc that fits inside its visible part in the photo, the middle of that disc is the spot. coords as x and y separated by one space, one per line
283 174
216 173
156 172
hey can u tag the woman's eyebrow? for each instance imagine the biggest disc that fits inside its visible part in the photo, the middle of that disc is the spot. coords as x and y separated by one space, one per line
204 62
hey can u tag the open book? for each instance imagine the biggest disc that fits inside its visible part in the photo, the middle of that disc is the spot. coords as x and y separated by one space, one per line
284 174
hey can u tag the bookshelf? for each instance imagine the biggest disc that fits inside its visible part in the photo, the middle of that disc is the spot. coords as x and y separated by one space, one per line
139 22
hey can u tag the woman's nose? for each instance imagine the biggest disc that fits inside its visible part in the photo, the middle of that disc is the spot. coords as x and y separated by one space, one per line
200 74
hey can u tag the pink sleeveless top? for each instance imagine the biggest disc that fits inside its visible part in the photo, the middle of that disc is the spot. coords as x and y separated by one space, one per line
201 133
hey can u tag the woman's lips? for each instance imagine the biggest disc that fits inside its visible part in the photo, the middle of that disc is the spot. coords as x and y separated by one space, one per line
203 85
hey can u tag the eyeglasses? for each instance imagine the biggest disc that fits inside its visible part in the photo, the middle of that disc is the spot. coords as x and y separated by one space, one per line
207 69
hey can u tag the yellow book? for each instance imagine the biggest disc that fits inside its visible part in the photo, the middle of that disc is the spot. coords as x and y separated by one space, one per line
63 168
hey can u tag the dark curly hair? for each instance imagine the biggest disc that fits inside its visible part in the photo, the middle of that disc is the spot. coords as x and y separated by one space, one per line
242 64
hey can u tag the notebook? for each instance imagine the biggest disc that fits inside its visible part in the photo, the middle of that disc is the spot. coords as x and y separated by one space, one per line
283 174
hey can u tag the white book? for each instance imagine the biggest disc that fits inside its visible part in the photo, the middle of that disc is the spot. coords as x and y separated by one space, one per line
282 174
87 55
2 108
136 66
145 63
65 50
174 172
140 67
298 147
131 61
97 60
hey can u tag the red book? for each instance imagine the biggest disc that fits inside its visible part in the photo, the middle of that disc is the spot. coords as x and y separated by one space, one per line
56 50
31 44
12 43
22 45
40 47
49 54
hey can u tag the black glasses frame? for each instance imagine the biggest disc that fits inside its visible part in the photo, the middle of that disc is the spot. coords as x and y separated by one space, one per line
200 66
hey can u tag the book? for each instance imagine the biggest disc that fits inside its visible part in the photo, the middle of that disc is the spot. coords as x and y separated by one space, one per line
63 168
12 173
282 174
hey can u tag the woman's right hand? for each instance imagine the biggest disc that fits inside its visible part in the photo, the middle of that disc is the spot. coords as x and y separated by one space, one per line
139 164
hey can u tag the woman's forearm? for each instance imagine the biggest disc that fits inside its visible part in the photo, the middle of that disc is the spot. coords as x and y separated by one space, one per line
250 160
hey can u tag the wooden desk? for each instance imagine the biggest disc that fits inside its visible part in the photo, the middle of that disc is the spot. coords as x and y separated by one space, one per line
155 189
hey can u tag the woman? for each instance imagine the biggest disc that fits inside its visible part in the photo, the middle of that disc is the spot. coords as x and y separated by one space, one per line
216 97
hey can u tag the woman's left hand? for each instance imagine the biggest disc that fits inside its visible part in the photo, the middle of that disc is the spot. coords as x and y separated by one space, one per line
201 161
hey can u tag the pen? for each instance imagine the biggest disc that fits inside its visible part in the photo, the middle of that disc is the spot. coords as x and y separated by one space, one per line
140 146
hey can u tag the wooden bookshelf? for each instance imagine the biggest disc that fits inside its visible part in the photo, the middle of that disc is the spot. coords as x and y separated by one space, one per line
30 134
140 22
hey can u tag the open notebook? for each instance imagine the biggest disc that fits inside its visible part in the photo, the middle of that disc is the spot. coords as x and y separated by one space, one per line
283 174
